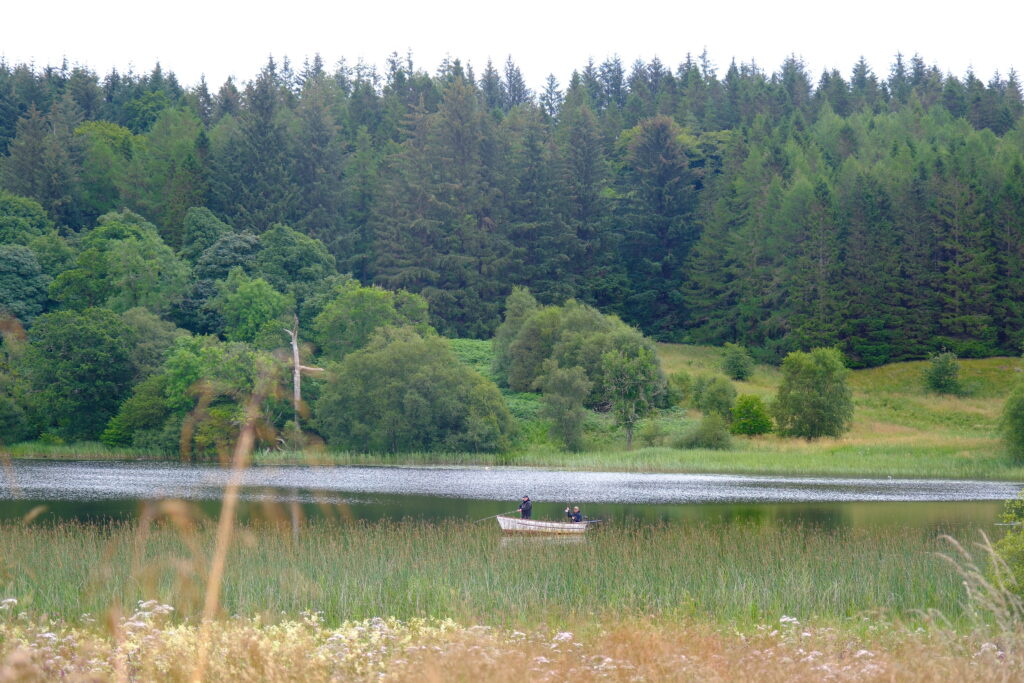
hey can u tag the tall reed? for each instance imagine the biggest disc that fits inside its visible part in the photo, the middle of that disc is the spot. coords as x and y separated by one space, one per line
720 573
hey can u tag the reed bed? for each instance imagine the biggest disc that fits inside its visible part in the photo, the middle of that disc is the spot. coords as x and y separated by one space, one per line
736 575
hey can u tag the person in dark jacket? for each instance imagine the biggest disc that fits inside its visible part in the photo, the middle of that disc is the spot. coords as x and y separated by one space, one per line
526 508
574 515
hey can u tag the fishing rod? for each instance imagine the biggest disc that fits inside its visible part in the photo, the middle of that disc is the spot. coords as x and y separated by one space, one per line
497 515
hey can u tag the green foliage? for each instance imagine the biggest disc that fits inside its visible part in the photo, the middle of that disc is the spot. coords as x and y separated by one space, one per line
204 384
348 321
476 353
714 396
144 272
151 338
814 399
680 387
405 392
79 366
200 230
21 219
749 416
633 379
737 362
124 264
711 432
53 252
564 392
653 433
519 306
1012 423
1011 546
942 375
145 409
573 335
23 284
250 306
292 262
230 251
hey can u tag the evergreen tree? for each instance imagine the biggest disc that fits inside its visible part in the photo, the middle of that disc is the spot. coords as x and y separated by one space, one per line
657 225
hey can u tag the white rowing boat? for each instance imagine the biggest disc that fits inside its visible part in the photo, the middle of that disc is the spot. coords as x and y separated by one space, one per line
514 525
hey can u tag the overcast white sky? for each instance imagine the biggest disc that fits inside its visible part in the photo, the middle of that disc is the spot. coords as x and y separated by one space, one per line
219 39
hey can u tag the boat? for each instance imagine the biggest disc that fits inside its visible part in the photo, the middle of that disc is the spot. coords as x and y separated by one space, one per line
515 525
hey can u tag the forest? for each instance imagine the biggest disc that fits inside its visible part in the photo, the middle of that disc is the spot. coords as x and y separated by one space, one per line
182 225
882 214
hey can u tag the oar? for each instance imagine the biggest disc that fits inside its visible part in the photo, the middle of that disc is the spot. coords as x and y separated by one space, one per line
497 515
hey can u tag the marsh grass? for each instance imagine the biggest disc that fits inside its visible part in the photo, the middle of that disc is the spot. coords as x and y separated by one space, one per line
722 574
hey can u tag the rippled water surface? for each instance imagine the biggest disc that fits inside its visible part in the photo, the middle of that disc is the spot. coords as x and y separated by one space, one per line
116 488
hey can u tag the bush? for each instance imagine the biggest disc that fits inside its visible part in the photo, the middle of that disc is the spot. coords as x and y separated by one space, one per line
736 362
565 390
716 397
750 417
711 432
1012 423
814 399
653 433
680 387
943 374
404 392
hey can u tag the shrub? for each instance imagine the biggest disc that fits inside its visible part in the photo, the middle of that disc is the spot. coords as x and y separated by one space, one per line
1012 423
680 387
404 392
653 433
716 397
711 432
750 417
943 374
814 399
736 362
565 390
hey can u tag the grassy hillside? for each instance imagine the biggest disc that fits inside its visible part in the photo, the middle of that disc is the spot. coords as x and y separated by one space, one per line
898 426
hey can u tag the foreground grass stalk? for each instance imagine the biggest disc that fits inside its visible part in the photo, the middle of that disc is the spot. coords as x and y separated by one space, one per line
225 527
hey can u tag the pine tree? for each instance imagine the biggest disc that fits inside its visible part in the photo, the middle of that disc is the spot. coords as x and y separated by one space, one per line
656 224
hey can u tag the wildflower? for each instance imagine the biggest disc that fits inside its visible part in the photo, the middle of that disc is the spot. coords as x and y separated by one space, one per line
789 621
563 636
8 603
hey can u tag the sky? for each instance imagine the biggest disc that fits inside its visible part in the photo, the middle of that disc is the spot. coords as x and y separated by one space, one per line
218 38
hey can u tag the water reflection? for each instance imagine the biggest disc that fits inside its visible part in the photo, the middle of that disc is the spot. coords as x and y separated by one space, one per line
97 491
941 517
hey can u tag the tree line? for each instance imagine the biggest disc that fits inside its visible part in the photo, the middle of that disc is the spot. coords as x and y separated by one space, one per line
879 214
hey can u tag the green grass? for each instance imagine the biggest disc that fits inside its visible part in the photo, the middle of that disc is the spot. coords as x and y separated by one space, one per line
724 574
82 450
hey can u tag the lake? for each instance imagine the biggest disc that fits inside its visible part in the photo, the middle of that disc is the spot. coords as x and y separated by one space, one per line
100 490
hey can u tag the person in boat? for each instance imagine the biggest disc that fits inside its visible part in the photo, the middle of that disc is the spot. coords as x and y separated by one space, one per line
526 508
574 514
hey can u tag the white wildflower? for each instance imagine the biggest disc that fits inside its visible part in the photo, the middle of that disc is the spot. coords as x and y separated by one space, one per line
563 636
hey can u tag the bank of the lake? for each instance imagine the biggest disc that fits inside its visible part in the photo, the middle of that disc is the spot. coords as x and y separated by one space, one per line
899 430
949 459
